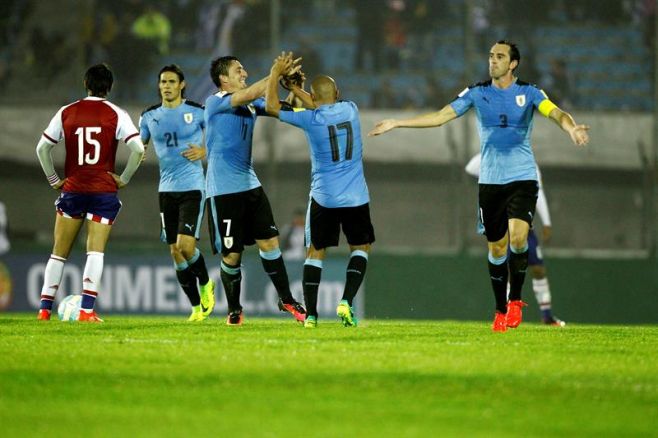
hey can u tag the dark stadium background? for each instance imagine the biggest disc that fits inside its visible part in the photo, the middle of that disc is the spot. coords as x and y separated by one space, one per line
596 59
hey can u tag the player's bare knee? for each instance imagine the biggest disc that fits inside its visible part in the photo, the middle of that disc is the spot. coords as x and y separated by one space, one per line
365 248
315 254
232 259
519 241
268 245
174 251
498 249
186 250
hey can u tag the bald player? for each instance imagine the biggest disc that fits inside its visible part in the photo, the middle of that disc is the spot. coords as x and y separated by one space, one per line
339 194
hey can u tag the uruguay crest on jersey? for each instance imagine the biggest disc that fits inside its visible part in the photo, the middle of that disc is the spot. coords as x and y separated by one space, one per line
188 117
520 100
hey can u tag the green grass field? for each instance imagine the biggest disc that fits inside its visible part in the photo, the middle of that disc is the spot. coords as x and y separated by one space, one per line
160 376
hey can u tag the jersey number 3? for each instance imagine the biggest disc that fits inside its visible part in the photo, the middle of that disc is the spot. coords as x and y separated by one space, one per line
85 137
333 129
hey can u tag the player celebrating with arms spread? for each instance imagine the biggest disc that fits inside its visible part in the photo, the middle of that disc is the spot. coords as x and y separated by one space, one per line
91 128
239 211
339 194
176 126
508 177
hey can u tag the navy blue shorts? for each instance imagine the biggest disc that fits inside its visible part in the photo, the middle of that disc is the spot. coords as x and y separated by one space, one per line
98 207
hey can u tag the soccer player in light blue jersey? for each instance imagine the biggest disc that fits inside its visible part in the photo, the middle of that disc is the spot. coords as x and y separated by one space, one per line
508 178
540 285
240 213
339 194
176 127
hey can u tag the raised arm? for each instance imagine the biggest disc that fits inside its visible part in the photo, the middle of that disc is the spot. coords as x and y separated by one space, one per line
302 99
563 119
249 94
437 118
304 96
281 65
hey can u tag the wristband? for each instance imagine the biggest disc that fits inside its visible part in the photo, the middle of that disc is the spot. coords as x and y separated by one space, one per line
53 179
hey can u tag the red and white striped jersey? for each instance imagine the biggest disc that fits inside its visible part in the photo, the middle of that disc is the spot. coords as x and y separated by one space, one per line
91 128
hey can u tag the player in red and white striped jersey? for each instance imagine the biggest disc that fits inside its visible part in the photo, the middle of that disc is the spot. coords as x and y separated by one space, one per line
91 128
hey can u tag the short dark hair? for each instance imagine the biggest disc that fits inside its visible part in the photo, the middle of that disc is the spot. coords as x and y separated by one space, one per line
99 79
220 66
514 54
174 69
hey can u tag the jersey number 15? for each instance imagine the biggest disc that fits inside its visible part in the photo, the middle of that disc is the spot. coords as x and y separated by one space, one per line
85 138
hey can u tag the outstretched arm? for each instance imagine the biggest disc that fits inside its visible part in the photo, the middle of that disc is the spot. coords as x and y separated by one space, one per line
249 94
437 118
563 119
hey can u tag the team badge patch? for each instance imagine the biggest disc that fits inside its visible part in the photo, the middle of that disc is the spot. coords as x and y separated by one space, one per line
228 242
189 117
520 100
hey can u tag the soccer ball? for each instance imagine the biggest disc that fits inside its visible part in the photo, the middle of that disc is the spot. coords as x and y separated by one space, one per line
69 308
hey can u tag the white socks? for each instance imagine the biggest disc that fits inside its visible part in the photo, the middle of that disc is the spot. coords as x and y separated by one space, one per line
542 293
53 275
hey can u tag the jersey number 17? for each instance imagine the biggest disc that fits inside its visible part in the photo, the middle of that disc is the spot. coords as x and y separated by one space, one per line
333 140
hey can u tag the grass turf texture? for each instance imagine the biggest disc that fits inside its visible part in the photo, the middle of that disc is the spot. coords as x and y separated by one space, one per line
160 376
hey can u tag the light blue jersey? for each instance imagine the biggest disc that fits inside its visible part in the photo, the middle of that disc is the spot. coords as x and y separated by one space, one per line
505 118
334 137
172 130
229 135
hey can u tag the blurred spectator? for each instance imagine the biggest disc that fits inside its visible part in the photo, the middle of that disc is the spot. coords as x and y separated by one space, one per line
480 24
232 14
4 68
153 26
125 53
99 32
643 14
385 96
4 237
434 95
185 24
529 67
208 14
370 32
257 14
558 80
311 60
395 37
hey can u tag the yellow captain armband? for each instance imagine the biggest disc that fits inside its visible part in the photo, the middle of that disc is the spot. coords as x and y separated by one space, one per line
298 109
545 107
